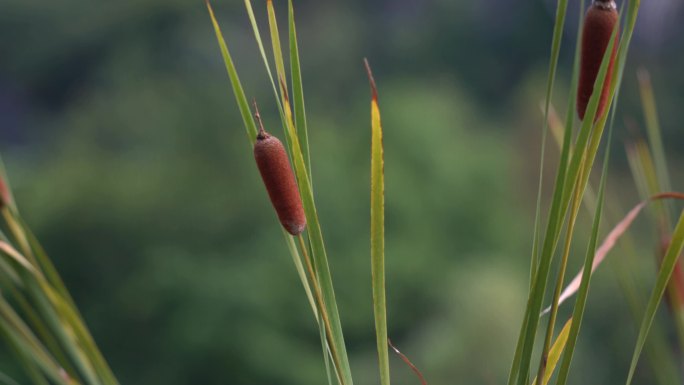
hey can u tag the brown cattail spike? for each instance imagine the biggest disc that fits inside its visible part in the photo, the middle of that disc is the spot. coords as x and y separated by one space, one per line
599 24
274 166
675 294
5 197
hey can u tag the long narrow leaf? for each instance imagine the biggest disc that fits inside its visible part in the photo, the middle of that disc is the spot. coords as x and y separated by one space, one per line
26 360
319 254
578 311
277 50
561 10
13 327
555 49
653 127
260 44
298 90
297 260
378 232
243 105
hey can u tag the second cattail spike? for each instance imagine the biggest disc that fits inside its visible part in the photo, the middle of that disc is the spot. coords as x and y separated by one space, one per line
599 23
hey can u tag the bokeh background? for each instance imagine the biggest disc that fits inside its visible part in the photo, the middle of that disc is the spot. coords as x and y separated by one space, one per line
128 157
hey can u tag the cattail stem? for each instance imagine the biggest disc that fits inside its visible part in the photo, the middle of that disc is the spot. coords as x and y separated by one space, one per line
576 201
321 305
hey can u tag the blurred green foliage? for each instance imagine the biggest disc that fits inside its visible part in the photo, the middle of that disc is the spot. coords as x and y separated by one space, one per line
128 157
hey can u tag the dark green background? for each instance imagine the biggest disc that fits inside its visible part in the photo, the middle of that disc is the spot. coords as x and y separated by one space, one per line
127 155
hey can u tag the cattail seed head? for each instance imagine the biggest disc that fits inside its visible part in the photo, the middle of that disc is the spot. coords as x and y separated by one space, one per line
600 20
5 197
675 296
274 166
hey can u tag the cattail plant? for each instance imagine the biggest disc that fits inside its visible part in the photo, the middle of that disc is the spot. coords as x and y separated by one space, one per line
276 172
578 155
599 23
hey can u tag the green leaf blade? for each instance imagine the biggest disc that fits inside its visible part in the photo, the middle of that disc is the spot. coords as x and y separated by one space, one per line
298 89
243 105
378 235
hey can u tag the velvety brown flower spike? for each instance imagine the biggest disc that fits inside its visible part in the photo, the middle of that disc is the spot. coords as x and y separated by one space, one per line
5 197
274 166
599 22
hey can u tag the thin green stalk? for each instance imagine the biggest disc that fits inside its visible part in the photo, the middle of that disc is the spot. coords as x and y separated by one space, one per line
576 203
19 236
240 98
81 333
578 311
42 330
320 258
27 362
298 89
13 327
257 36
523 338
321 304
553 65
297 259
66 339
655 139
277 50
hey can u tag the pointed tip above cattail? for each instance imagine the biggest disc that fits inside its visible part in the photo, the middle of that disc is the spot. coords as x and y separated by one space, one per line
374 90
262 134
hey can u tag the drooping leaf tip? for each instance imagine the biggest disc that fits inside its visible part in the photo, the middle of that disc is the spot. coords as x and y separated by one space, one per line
667 194
374 89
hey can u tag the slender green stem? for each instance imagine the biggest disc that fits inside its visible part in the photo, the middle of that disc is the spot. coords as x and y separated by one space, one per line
320 302
576 203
